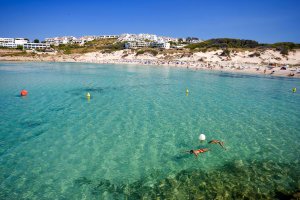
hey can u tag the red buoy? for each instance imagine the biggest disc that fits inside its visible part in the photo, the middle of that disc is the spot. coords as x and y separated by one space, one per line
24 93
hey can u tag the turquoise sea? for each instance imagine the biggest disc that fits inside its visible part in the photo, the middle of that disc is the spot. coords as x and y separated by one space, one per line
127 141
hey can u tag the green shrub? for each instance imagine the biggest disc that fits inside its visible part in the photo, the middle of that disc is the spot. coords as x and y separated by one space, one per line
106 51
151 51
286 45
225 43
238 43
284 51
225 52
20 47
255 54
116 46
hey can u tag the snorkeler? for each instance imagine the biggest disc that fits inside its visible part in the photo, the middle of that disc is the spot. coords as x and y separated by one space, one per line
217 142
196 152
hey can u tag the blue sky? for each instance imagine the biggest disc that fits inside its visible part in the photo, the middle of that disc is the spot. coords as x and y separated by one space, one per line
262 20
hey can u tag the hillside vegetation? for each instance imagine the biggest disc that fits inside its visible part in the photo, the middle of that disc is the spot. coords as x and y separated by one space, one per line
228 43
105 45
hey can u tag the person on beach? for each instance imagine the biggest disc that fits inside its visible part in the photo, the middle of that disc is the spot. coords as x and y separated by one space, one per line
217 142
198 151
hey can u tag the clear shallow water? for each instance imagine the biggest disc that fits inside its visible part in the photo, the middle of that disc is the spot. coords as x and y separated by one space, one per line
127 141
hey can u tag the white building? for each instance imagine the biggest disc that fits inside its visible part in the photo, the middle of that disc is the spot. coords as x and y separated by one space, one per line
137 44
86 38
107 36
195 41
12 42
67 39
127 37
78 41
50 40
21 41
8 45
73 40
137 37
163 45
7 40
167 39
143 44
145 36
36 46
60 40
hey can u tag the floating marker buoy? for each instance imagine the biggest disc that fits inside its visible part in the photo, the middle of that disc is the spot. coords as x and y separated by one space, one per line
88 95
294 90
201 137
24 93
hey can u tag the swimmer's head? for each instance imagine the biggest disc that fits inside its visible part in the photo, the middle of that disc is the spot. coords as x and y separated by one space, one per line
191 151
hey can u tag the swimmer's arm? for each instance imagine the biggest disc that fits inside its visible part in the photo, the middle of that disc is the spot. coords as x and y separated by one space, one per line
222 145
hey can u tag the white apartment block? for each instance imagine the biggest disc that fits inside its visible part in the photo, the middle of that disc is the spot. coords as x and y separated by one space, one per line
8 45
60 40
142 44
87 38
146 37
78 41
167 39
36 46
21 41
162 45
127 37
107 36
195 41
150 37
12 42
137 37
7 40
67 39
73 40
137 44
49 40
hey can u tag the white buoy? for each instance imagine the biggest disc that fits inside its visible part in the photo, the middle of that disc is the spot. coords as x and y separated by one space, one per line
201 137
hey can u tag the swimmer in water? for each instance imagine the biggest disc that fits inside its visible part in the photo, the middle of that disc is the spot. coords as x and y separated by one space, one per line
217 142
198 151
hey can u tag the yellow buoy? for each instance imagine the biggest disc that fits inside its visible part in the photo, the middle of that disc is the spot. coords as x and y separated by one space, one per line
294 90
88 95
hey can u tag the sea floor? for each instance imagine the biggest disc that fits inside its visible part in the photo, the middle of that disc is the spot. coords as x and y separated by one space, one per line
128 141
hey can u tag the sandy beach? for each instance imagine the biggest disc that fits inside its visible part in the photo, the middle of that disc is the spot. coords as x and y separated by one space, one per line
267 62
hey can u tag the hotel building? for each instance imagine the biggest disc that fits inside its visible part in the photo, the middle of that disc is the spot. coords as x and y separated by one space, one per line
142 44
107 36
7 40
36 46
23 42
162 45
137 44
